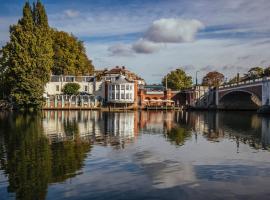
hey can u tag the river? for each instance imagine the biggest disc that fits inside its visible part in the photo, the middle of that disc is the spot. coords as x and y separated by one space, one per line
134 155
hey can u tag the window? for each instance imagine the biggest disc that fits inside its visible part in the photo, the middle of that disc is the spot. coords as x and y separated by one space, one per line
57 88
127 96
117 87
130 87
127 87
85 88
122 96
113 87
117 96
113 96
122 87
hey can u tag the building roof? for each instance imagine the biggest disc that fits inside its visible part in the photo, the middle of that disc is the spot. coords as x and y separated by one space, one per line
122 70
121 79
154 87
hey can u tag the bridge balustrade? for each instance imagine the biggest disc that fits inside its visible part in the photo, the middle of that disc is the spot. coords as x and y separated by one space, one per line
244 82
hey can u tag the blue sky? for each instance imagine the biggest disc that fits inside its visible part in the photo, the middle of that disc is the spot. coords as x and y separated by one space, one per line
152 37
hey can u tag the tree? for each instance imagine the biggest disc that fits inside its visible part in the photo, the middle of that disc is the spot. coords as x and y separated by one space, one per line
213 79
235 79
177 80
33 52
27 58
267 71
69 55
71 88
254 72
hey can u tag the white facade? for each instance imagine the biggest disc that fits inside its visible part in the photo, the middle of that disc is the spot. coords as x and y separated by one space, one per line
57 83
121 91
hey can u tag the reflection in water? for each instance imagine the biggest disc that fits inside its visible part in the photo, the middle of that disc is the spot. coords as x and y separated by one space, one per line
37 150
28 159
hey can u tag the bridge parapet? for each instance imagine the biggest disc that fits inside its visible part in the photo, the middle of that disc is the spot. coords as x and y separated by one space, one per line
242 83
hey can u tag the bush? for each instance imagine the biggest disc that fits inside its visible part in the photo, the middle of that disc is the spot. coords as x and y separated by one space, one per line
71 88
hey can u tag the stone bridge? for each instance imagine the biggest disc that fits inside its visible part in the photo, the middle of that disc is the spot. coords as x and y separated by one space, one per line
247 95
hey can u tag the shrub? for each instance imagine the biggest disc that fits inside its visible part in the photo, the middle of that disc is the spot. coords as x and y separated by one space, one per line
71 88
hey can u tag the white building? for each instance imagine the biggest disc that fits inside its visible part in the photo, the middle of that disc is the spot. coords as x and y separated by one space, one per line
121 90
88 84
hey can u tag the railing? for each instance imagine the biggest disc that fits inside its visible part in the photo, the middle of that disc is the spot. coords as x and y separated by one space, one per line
249 82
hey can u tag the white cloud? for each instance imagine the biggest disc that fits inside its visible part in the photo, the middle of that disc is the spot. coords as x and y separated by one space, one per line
120 50
173 30
71 13
169 30
145 46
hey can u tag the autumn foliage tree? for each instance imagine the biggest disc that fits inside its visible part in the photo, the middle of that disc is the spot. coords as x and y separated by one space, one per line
69 55
213 79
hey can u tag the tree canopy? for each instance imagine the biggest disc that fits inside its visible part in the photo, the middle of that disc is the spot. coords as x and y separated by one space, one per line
34 52
254 72
71 88
69 55
27 58
177 80
213 79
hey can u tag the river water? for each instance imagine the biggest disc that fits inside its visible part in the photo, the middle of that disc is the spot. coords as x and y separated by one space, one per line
134 155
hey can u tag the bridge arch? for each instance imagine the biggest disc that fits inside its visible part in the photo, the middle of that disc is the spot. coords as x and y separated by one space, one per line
239 100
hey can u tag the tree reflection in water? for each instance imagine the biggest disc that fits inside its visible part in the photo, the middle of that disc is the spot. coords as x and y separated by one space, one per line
28 159
178 135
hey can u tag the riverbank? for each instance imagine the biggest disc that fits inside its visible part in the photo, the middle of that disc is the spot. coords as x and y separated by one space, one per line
115 109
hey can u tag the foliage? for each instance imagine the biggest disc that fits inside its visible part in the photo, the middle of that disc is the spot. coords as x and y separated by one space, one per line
254 72
213 79
235 79
267 71
177 80
69 55
178 135
27 58
33 53
71 88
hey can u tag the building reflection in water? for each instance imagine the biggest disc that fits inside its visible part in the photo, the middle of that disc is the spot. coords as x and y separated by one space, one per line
103 128
119 129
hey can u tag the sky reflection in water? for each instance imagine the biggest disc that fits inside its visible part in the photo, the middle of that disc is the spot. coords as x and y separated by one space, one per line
134 155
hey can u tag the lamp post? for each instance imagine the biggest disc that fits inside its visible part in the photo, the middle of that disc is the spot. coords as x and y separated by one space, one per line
197 78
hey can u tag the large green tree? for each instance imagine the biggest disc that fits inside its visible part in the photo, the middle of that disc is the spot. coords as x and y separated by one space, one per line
177 80
27 58
33 53
69 55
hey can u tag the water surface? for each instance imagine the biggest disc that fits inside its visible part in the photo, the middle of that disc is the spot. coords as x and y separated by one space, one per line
134 155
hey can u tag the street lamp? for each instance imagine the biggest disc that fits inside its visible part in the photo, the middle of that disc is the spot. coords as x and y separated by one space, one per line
197 78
